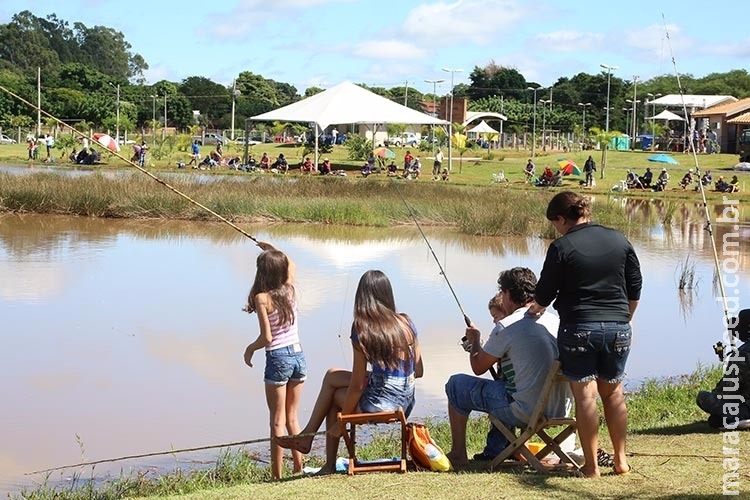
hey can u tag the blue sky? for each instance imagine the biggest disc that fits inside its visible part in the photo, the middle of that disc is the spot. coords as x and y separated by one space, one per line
387 43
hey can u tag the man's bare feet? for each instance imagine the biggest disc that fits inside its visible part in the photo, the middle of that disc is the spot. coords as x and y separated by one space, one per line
302 444
590 472
457 459
621 470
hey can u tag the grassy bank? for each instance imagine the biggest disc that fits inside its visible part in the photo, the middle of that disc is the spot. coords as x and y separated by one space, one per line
674 454
377 201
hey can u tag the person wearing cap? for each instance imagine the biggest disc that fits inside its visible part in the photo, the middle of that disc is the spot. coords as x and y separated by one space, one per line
662 180
687 179
728 404
325 167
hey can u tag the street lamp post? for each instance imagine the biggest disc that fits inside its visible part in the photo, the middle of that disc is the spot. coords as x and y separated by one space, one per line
164 130
434 107
117 115
609 79
533 130
544 103
235 94
584 104
627 119
450 124
653 97
153 119
634 120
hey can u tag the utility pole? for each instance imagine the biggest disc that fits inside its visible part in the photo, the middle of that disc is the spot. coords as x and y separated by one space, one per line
164 130
634 121
406 92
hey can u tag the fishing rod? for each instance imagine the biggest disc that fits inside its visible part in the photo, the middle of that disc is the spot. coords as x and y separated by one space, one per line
442 271
132 164
169 452
719 346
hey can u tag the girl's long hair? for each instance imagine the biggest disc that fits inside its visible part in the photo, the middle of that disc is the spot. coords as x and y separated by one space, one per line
271 277
385 335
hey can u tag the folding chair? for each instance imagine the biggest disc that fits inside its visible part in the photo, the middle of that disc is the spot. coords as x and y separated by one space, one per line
349 425
537 426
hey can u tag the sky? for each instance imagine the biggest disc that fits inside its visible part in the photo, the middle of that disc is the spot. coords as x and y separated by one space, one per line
395 43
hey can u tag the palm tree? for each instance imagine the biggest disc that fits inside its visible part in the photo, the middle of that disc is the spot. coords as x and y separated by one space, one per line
603 138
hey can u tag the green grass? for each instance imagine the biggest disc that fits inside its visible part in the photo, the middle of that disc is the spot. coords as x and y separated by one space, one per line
674 454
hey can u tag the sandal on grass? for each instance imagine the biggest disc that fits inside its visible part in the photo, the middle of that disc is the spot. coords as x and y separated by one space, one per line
604 459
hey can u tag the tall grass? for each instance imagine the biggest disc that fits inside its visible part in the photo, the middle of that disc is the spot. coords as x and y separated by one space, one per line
378 202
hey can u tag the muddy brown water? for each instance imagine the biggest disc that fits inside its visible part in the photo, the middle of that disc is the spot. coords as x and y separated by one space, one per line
126 337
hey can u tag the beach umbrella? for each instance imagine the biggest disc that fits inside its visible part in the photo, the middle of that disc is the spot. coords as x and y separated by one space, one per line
106 141
662 158
384 152
568 167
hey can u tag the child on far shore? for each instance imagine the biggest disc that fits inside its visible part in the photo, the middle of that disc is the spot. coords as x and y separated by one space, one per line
273 298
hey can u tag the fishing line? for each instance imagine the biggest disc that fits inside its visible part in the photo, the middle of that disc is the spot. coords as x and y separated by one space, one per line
442 271
169 452
132 164
708 228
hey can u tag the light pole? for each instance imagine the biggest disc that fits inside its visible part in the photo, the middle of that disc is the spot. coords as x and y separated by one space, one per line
117 116
634 120
434 107
584 104
627 119
153 119
653 97
544 103
533 130
164 130
235 93
450 124
609 79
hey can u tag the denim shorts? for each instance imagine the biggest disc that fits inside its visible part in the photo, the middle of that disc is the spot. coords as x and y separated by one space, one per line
467 393
285 364
595 350
386 393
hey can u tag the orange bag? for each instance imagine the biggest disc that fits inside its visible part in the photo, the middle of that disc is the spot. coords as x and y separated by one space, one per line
424 452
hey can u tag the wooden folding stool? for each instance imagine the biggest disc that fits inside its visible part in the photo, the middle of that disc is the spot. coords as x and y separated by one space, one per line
349 425
537 426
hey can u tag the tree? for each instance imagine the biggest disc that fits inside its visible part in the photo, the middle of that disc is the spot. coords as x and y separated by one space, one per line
603 138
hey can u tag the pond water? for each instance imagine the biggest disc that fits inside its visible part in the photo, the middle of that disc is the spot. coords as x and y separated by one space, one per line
126 337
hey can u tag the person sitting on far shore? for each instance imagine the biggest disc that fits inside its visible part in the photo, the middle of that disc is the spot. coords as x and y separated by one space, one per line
325 167
307 166
265 162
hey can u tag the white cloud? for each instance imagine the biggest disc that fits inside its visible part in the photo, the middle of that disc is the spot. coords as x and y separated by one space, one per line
388 49
568 40
480 22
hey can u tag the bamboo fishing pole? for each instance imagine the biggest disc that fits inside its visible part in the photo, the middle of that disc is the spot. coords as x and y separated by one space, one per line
168 452
493 372
719 347
134 165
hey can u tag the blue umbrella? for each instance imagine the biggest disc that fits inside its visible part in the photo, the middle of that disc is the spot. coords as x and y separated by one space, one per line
662 158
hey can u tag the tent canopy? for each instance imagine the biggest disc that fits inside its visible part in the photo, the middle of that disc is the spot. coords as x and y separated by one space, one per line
347 103
667 115
483 128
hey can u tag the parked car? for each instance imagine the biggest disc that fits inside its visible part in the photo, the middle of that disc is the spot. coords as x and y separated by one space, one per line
249 140
409 139
4 139
210 139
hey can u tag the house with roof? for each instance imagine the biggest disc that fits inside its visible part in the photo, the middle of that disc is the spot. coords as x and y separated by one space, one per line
728 120
697 111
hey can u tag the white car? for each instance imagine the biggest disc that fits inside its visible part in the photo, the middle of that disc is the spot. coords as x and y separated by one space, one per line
406 139
4 139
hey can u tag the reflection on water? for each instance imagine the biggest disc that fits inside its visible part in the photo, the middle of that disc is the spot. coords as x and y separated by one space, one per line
128 335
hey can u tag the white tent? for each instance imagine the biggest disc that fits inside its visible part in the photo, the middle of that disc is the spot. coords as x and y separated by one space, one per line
347 103
483 128
667 115
343 104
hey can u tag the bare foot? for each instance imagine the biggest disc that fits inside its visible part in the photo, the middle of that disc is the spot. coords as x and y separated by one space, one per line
457 459
325 471
621 470
590 473
302 444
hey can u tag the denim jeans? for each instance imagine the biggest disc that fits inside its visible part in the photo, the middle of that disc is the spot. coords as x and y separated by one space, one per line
594 350
386 393
285 364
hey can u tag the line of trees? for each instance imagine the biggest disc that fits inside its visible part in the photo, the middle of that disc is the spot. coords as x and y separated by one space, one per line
84 68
